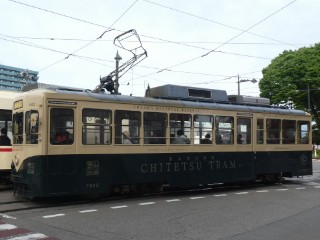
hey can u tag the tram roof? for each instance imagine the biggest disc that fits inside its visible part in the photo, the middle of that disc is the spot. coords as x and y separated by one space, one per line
162 102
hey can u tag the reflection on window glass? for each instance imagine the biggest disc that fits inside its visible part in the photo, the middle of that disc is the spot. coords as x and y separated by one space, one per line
303 128
127 127
288 131
180 128
260 131
243 131
61 126
154 127
224 130
273 131
96 128
202 129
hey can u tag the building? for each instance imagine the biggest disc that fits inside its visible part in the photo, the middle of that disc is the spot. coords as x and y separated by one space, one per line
13 79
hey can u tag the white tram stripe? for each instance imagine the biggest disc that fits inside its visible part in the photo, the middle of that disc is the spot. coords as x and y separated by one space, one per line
262 191
146 203
7 227
173 200
220 195
55 215
30 236
241 193
88 211
118 207
195 198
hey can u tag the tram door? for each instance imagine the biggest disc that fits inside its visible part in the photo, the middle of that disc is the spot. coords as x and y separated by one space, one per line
61 167
245 147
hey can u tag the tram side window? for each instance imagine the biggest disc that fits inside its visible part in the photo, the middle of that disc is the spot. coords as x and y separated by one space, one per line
127 127
288 131
224 130
61 126
202 129
303 131
180 128
273 131
32 126
96 126
18 128
260 131
155 127
6 122
243 131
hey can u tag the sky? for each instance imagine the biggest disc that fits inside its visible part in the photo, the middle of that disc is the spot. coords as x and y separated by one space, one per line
199 43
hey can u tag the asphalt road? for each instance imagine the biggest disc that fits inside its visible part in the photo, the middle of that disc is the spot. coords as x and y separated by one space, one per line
284 211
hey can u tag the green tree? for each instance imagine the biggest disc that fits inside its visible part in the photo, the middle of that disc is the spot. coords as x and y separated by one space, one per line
289 76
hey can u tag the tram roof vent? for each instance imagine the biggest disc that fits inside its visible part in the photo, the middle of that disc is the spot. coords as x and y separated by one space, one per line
188 93
248 100
33 86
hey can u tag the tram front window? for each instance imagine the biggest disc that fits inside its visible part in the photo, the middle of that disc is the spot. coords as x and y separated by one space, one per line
18 128
61 126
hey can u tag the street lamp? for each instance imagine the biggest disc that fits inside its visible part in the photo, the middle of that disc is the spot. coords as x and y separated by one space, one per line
244 80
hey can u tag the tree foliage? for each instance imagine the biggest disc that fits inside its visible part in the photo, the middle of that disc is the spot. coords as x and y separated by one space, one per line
289 76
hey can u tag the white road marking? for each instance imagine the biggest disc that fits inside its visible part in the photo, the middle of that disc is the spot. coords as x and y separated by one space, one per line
262 191
118 207
7 227
55 215
316 186
220 195
6 216
300 188
88 211
282 189
146 203
31 236
195 198
173 200
241 193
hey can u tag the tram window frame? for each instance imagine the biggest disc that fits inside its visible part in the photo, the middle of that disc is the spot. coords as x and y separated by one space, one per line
17 127
154 127
244 130
303 135
32 126
288 131
224 130
127 121
260 131
96 126
180 121
273 127
62 126
202 125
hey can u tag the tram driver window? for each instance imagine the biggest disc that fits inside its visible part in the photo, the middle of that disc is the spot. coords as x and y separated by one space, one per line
154 127
224 130
273 131
260 131
32 126
18 128
61 126
127 125
96 126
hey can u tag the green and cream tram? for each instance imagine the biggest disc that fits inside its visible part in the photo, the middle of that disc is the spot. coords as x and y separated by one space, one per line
70 141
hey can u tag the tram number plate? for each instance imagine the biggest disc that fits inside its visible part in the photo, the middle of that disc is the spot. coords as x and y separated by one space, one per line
92 168
92 185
